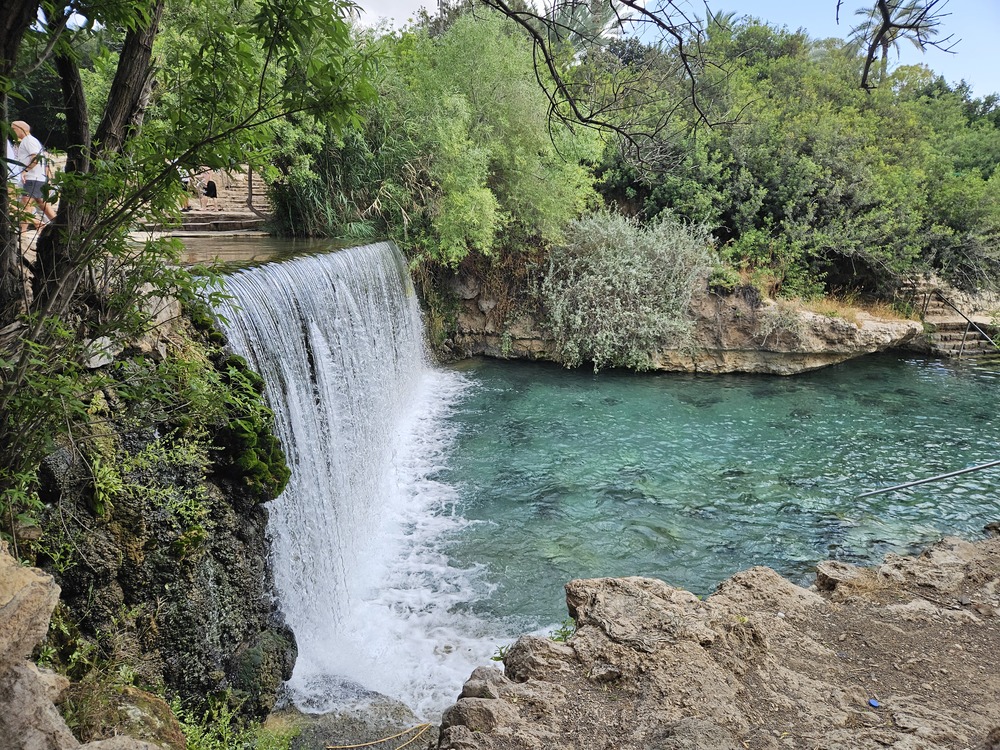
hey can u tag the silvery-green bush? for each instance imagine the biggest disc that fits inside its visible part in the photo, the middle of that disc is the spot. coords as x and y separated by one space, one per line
617 290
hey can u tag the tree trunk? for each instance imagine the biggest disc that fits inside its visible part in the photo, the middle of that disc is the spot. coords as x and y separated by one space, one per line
16 17
129 86
64 253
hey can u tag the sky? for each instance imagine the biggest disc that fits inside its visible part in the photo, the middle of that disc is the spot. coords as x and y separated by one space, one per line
974 24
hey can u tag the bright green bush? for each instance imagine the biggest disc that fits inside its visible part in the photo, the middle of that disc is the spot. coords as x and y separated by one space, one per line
222 728
457 155
618 290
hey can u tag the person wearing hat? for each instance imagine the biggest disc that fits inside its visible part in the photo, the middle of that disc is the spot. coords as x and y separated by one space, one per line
33 178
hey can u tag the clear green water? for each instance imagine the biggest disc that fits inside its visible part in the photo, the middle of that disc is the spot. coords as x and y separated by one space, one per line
690 478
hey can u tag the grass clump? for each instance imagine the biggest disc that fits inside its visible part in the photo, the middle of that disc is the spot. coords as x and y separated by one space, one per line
221 727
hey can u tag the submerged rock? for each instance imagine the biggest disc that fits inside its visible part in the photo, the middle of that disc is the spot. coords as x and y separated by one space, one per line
372 719
873 657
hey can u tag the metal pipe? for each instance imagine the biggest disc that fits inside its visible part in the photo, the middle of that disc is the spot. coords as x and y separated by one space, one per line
930 479
969 320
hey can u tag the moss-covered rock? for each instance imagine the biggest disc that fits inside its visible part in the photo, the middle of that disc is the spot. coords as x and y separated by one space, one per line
155 530
98 710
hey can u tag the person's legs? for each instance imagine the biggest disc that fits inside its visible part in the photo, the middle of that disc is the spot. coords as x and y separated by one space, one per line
25 215
34 195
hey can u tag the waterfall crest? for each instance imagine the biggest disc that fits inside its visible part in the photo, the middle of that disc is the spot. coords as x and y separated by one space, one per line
361 414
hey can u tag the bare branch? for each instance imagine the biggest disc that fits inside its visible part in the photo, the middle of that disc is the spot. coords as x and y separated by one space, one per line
646 100
891 20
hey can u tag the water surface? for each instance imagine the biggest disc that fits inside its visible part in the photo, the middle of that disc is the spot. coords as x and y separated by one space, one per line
689 478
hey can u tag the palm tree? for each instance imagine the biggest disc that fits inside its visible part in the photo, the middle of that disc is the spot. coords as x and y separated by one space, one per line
587 24
889 21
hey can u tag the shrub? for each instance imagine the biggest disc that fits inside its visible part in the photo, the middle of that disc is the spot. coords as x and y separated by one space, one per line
618 290
723 280
780 318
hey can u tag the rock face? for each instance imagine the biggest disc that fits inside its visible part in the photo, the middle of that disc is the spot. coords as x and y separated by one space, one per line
28 719
905 655
197 607
156 533
732 333
736 334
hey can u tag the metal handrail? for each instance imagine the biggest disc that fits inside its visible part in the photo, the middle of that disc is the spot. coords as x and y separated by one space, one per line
929 479
971 323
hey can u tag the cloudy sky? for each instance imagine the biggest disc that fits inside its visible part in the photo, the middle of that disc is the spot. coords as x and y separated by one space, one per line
974 24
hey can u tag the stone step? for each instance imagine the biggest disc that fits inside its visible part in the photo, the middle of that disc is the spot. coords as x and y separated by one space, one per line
958 338
952 322
959 352
209 221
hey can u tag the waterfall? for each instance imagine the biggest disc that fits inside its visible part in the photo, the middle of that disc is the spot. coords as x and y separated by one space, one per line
361 414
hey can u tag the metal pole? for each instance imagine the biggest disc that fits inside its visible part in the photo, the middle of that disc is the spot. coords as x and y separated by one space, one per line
930 479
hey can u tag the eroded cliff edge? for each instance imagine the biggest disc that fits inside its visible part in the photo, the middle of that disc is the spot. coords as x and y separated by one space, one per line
903 655
732 332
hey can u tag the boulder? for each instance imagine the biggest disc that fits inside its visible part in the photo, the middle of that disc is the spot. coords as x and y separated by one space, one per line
893 656
29 719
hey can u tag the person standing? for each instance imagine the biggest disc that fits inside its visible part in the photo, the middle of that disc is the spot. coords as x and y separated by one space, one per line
30 153
211 194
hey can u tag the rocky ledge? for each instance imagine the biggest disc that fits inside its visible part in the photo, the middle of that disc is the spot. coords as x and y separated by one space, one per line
905 655
733 333
736 332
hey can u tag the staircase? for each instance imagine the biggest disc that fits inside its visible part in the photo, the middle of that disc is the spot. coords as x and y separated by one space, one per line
232 214
198 220
951 333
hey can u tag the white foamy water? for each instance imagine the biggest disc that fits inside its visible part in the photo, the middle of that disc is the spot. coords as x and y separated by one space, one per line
361 414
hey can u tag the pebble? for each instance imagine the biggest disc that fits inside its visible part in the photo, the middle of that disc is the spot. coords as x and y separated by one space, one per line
965 601
842 637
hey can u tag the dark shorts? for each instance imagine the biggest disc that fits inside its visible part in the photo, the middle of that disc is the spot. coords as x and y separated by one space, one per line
33 189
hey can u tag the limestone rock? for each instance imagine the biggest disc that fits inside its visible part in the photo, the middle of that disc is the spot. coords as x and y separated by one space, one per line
27 598
29 719
125 710
732 333
100 352
832 573
861 662
161 312
371 719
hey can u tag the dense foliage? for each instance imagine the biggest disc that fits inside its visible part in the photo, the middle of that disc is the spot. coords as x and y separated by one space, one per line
147 89
456 156
812 184
822 185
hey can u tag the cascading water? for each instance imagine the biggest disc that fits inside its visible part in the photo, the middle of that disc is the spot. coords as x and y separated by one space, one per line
361 414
